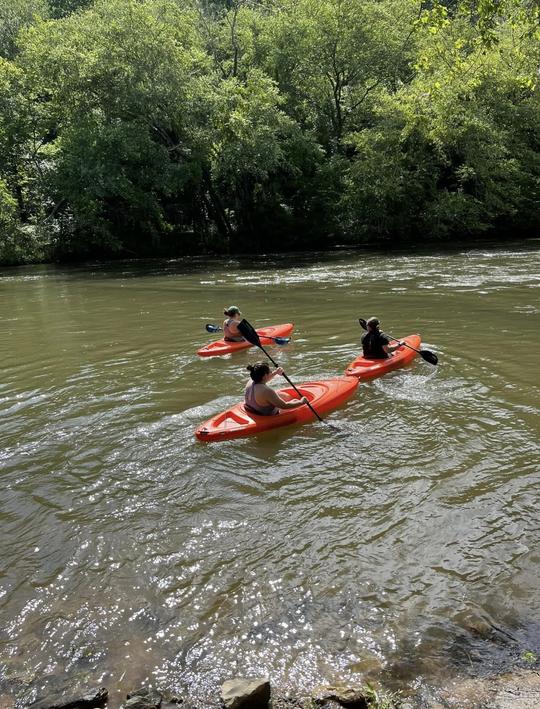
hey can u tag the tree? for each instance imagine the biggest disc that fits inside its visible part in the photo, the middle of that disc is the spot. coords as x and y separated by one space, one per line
461 154
14 15
117 83
330 57
61 8
148 127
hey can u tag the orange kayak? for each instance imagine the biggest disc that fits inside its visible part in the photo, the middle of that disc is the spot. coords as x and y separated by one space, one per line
369 368
221 347
324 396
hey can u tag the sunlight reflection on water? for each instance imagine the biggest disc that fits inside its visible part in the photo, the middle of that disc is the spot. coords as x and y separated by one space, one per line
132 551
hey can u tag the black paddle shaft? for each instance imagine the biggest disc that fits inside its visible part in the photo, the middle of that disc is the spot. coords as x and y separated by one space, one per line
251 335
426 355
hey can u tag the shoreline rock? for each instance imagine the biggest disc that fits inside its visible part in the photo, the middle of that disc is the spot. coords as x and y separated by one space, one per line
90 699
143 698
518 689
340 695
239 693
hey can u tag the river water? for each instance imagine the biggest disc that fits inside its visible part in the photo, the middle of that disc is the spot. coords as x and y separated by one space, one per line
403 548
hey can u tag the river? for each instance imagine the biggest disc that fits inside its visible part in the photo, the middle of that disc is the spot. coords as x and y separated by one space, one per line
402 548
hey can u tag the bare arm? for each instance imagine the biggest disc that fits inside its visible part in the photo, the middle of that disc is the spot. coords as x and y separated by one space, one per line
388 348
274 399
392 348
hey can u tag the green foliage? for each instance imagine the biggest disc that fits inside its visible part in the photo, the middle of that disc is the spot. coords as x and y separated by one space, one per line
118 81
14 15
489 14
8 219
18 243
147 127
529 657
61 8
332 58
378 699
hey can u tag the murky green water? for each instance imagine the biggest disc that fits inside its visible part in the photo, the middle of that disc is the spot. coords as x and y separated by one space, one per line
130 551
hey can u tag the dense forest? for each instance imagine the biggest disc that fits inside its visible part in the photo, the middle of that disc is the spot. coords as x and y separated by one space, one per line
164 127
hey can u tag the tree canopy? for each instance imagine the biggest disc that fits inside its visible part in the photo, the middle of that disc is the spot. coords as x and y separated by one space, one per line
152 127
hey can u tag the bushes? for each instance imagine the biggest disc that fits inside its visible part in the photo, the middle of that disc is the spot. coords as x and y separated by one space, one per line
141 127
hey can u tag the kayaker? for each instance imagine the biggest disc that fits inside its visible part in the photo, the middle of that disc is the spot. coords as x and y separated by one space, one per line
375 344
260 398
230 324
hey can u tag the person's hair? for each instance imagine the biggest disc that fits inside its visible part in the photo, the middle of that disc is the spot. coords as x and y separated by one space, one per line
232 310
372 323
258 370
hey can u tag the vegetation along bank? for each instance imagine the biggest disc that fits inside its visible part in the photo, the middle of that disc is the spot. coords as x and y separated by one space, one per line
166 127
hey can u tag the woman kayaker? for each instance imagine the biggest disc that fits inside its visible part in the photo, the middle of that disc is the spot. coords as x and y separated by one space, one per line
375 344
260 398
230 324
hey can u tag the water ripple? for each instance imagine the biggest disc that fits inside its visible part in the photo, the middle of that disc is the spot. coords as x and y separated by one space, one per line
131 552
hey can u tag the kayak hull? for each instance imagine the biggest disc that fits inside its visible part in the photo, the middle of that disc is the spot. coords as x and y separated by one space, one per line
221 347
236 422
363 368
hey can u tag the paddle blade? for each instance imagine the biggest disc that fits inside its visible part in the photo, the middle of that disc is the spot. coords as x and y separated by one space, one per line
249 332
428 356
282 340
363 323
212 328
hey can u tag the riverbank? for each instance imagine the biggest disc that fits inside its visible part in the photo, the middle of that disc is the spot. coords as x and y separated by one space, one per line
513 690
251 129
517 689
288 250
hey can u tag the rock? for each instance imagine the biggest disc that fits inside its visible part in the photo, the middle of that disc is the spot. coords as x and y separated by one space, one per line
352 697
241 693
519 689
170 700
143 698
86 700
287 702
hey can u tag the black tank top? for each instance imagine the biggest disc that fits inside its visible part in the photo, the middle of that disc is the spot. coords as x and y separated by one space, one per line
372 345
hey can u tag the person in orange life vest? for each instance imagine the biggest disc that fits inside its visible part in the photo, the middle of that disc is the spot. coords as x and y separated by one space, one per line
375 344
260 398
230 324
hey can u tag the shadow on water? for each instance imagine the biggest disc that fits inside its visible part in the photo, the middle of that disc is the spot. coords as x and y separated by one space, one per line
149 268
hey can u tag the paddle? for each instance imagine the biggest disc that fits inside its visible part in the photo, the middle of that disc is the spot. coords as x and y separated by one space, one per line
278 340
251 335
426 355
